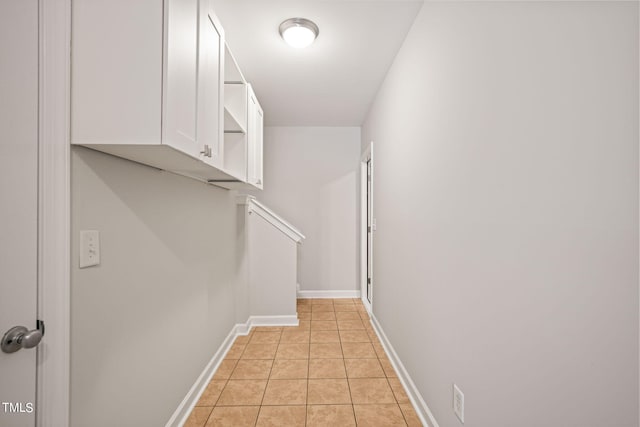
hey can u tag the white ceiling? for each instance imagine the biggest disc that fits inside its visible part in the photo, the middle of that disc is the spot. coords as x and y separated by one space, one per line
330 83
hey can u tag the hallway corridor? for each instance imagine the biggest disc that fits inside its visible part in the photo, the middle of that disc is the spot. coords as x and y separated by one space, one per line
331 370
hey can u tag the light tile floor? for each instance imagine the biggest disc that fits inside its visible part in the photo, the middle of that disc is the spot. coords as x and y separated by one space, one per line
331 370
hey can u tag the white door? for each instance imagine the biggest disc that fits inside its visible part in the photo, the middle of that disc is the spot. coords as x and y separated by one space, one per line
367 226
369 231
19 195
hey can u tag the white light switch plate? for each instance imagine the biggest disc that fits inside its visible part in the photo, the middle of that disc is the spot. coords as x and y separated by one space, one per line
89 248
458 403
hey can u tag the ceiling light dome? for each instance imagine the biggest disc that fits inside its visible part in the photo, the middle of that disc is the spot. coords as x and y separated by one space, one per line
298 32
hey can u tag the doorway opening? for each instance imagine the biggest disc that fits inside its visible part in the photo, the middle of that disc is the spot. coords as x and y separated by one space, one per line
367 227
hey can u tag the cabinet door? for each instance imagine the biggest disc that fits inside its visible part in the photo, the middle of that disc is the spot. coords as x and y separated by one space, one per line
211 85
254 139
116 71
251 135
181 76
258 157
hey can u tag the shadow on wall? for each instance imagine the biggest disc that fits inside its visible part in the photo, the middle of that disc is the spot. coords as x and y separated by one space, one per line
167 272
184 219
161 203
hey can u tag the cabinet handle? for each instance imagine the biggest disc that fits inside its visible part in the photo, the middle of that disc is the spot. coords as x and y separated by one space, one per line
207 151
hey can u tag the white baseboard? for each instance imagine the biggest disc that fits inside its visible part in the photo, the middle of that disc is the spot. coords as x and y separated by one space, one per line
423 411
181 414
272 321
328 294
183 411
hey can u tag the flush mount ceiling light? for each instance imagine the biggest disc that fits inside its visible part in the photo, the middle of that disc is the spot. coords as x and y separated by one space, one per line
298 32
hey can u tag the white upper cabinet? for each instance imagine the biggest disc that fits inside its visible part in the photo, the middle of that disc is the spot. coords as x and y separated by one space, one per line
148 84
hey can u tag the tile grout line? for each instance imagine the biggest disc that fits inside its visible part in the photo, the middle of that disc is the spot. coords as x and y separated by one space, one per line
226 380
386 377
208 416
264 393
346 374
214 403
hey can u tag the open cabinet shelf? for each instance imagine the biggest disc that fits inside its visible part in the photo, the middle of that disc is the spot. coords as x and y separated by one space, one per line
234 122
236 126
235 96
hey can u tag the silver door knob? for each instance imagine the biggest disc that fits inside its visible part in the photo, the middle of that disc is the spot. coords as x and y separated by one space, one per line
20 337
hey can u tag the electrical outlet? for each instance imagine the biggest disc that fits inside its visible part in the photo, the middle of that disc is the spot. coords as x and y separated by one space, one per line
89 248
458 403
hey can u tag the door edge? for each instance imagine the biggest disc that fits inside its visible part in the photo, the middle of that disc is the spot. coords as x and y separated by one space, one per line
53 357
367 154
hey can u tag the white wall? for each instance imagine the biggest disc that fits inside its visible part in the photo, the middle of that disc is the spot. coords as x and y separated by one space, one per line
147 320
311 180
272 269
506 197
